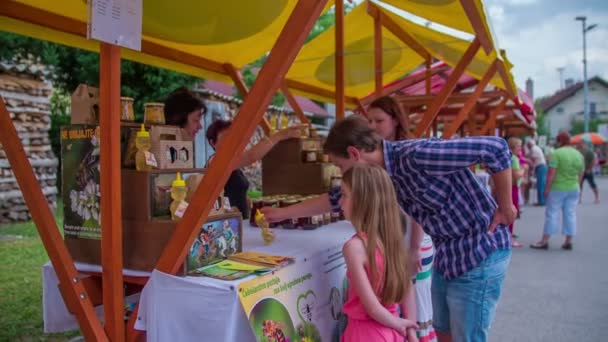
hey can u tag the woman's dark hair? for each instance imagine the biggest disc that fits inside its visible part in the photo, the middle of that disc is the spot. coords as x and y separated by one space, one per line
390 106
179 104
215 129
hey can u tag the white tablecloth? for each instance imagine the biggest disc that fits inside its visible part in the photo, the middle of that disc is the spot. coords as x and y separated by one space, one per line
200 308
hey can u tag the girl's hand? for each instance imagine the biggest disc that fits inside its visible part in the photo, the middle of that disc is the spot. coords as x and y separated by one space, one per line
411 335
402 325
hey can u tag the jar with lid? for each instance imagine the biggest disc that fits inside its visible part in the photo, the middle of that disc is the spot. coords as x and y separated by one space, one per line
305 131
335 216
309 156
126 109
154 113
289 223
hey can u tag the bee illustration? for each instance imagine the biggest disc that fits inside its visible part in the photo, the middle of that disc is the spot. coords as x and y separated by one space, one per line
86 168
273 332
307 307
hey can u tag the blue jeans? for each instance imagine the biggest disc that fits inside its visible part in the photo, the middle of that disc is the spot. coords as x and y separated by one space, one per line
541 181
563 202
465 306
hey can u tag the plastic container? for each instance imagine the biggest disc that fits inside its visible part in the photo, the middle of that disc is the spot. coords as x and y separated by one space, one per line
154 113
126 109
143 154
178 194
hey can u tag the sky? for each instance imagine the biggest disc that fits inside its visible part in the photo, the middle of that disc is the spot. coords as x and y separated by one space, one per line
541 36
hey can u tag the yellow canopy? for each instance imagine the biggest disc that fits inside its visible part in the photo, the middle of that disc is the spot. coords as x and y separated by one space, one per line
448 48
315 66
449 13
207 34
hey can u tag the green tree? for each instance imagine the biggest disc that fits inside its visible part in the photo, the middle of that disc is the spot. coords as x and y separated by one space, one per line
578 126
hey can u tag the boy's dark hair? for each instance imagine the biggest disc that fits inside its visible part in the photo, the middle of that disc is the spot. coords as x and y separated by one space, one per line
179 104
217 127
351 131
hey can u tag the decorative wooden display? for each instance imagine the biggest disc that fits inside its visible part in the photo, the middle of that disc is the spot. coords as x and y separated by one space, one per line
290 160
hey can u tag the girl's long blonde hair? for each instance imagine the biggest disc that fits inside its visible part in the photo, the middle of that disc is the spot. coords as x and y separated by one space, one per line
376 213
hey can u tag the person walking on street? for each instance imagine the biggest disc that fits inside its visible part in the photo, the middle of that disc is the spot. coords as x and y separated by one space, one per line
565 173
590 160
536 159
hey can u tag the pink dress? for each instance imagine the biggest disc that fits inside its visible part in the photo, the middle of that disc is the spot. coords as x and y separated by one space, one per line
360 326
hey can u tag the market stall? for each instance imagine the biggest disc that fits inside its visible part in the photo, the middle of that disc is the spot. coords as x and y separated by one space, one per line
218 54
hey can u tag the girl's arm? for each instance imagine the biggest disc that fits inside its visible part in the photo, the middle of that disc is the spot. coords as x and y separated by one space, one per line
355 256
408 307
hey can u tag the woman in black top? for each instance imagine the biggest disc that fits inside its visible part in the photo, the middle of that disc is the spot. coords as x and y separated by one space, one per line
237 185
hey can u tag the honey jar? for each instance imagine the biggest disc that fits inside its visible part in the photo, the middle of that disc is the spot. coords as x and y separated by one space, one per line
126 109
154 113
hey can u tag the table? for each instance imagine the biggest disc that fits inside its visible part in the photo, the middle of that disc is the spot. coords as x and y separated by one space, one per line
199 308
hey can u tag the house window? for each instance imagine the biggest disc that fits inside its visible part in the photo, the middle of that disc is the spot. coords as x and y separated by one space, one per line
560 110
592 107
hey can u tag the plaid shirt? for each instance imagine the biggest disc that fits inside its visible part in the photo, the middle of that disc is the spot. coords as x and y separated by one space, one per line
436 188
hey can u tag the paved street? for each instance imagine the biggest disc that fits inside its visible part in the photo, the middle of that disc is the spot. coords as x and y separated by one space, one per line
558 295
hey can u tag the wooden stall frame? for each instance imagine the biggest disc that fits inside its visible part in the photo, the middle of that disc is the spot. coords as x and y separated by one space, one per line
339 59
294 104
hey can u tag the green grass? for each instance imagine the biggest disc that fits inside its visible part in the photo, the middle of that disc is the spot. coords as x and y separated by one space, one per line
23 255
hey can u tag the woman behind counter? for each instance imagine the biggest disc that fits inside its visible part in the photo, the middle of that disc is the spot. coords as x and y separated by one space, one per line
184 109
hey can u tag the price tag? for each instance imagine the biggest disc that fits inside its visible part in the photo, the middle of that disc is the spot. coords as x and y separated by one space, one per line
181 208
150 159
116 22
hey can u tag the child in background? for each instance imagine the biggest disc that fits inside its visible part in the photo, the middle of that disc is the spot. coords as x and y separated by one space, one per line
377 274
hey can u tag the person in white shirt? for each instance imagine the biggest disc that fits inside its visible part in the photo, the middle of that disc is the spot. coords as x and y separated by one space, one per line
536 158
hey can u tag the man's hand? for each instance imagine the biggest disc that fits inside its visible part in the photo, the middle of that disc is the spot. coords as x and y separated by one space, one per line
273 214
504 216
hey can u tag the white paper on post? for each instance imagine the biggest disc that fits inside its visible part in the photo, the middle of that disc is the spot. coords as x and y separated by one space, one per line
117 22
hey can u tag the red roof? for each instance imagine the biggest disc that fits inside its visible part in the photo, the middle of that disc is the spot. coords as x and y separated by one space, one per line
307 105
563 94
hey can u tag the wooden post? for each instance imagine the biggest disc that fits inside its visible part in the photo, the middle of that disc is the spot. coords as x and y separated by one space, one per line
480 28
427 78
362 109
71 284
271 75
447 89
378 54
294 104
490 126
237 78
110 184
339 59
471 101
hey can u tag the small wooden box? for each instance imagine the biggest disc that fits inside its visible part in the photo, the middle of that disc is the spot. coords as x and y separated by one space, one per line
175 154
290 151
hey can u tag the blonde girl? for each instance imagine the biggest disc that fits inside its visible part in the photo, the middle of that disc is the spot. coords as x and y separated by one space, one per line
377 274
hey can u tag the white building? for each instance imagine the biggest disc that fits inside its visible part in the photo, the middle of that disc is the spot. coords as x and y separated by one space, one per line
566 105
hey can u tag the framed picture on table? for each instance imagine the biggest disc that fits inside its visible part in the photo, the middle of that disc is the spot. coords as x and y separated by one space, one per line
219 237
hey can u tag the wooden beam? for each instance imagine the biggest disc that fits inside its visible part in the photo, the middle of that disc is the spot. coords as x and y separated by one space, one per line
502 71
447 89
291 84
490 126
398 31
464 111
404 83
428 76
110 181
378 54
237 78
43 218
481 32
361 108
417 100
282 55
339 58
294 104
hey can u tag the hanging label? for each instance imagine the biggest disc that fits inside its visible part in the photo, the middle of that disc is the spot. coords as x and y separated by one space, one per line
116 22
181 208
150 159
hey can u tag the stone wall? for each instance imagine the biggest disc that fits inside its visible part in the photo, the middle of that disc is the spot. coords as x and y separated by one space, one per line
27 97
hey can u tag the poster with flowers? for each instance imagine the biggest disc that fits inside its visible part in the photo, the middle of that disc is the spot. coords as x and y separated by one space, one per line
80 181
